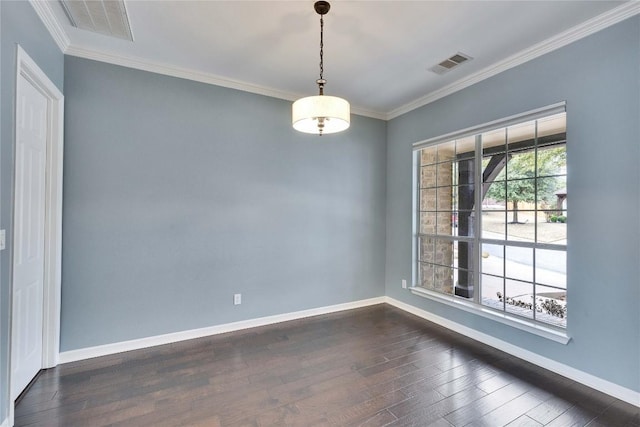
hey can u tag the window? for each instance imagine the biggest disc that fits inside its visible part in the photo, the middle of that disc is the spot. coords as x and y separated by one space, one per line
491 216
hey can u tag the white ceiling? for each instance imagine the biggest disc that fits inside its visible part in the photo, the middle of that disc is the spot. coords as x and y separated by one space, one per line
377 53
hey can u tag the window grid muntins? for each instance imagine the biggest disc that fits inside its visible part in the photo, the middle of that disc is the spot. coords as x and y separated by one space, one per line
506 220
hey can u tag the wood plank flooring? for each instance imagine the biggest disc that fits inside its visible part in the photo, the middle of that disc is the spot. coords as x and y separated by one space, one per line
375 366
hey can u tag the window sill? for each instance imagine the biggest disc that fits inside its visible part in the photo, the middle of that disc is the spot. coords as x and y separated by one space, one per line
548 332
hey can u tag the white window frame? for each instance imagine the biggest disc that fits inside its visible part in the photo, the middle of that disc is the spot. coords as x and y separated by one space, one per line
474 304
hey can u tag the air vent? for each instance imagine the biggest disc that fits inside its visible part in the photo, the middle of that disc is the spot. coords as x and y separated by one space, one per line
108 17
450 63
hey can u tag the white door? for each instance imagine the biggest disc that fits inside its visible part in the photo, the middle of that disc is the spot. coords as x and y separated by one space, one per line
28 249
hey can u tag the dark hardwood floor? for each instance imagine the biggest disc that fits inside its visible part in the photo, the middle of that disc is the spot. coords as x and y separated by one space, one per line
374 366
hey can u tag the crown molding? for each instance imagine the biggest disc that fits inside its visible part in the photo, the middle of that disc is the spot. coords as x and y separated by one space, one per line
173 71
600 22
578 32
56 30
364 112
198 76
48 18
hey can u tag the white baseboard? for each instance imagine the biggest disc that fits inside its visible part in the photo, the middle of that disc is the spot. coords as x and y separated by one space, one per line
119 347
589 380
5 423
615 390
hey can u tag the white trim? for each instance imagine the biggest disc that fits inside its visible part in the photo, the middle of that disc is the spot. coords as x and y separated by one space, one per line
548 332
119 347
59 35
615 390
591 26
27 68
610 388
174 71
5 423
569 36
198 76
53 202
48 18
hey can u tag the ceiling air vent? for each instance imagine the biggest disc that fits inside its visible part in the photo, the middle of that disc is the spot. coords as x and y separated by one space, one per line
108 17
450 63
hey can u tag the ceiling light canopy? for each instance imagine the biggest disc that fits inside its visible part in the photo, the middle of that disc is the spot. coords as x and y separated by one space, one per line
321 114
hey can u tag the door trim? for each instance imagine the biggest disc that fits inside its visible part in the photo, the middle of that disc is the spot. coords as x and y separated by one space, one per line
28 69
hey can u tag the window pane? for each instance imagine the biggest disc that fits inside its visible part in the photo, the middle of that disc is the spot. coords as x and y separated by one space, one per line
552 125
522 132
426 275
466 172
551 306
465 197
428 176
552 191
465 261
519 263
427 249
445 198
552 160
428 200
492 286
454 262
552 227
493 259
494 224
543 205
464 223
521 194
495 195
427 223
521 163
551 268
494 198
443 281
466 145
435 270
446 151
444 225
519 298
494 142
428 155
443 252
464 283
445 174
492 291
521 226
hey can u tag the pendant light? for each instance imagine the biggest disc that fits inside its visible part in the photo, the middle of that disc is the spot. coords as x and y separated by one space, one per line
321 114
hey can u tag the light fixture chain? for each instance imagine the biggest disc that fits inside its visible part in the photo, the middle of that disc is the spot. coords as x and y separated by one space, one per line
321 47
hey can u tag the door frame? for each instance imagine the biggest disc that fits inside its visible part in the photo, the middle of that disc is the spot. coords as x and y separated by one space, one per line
28 69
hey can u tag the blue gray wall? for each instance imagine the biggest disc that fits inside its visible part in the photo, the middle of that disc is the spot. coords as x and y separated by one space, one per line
600 80
19 24
178 194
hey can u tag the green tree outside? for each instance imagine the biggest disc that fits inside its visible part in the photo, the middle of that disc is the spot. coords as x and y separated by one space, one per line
521 174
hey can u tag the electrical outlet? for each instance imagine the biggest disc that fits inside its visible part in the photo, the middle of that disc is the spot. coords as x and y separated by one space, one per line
3 240
237 299
404 284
